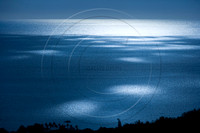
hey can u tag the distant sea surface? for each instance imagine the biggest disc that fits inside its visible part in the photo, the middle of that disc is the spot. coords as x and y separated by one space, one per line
94 71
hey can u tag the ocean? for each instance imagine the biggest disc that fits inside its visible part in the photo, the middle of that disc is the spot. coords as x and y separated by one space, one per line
94 71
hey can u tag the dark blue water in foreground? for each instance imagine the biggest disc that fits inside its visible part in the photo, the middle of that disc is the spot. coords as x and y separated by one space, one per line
93 79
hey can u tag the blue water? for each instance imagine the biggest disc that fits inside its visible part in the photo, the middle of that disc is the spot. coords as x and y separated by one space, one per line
94 73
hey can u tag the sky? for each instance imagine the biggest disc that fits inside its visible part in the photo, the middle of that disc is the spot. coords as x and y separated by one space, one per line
59 9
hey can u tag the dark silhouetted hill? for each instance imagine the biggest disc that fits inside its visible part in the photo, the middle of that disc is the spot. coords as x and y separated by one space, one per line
189 122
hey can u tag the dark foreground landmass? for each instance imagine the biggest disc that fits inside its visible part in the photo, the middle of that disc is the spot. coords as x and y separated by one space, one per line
189 121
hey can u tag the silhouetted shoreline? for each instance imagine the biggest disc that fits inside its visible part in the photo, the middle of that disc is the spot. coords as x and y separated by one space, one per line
187 121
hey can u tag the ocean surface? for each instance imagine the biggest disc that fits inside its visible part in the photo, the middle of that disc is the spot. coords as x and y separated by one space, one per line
94 71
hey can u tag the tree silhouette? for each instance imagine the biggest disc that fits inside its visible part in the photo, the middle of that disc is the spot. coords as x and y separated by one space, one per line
76 127
119 123
50 125
67 123
55 125
46 125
